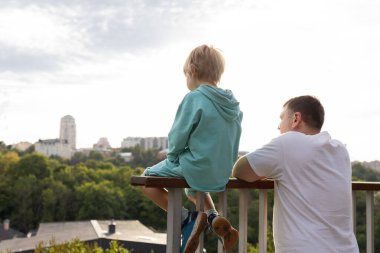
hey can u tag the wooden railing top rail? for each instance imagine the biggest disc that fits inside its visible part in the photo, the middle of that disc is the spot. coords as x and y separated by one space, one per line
171 182
365 186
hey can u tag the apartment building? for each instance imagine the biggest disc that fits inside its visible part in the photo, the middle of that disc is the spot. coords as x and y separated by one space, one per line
145 142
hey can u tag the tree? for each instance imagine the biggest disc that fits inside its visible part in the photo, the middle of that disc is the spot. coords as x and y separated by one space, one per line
56 200
99 201
3 147
359 170
33 164
26 203
5 196
96 155
78 157
8 160
142 158
78 246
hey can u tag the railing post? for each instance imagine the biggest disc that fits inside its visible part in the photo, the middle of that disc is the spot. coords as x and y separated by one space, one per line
370 221
173 236
222 209
200 207
263 216
354 211
243 219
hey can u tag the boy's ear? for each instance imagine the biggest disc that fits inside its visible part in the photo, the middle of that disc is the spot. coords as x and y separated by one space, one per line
193 70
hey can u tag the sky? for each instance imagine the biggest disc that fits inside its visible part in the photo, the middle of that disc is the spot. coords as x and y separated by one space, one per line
116 66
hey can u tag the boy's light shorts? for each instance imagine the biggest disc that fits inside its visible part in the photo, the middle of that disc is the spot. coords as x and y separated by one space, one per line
162 170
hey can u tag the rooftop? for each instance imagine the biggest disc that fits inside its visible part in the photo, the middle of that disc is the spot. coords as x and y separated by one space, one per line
60 232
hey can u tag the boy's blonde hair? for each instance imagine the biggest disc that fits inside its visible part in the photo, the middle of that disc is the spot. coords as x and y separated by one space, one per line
205 63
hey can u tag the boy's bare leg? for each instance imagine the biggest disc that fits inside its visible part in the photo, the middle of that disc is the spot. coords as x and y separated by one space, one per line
208 204
157 195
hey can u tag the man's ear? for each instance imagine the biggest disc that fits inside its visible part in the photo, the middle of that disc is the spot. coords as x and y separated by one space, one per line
296 120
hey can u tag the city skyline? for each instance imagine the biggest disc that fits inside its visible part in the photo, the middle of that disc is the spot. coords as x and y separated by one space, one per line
118 71
67 135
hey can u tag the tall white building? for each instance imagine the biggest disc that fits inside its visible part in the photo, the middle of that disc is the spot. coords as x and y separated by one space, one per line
68 131
63 146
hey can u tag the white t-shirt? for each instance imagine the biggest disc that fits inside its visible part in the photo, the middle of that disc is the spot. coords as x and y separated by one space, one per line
312 193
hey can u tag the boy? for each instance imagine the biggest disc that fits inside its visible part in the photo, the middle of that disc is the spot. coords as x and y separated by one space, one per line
203 146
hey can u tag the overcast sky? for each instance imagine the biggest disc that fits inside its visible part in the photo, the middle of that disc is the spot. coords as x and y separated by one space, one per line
116 65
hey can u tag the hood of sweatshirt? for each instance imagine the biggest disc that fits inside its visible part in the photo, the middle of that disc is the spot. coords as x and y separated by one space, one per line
224 101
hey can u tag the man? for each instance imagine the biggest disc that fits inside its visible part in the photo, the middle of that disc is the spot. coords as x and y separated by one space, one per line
312 178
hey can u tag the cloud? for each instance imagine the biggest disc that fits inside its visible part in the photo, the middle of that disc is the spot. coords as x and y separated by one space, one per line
15 60
46 35
38 39
133 25
126 25
43 35
4 103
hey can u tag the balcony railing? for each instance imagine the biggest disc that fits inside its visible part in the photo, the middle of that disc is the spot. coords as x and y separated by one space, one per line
175 186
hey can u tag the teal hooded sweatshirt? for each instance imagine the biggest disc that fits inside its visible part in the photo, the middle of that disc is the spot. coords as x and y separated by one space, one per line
204 138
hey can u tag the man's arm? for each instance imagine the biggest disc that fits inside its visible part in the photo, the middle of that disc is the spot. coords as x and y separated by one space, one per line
243 170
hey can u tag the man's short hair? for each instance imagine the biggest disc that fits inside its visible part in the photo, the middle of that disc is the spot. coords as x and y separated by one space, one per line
311 109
